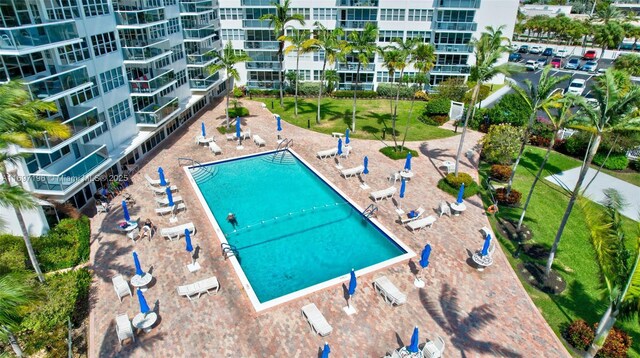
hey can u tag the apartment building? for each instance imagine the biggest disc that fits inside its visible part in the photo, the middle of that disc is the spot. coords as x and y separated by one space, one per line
447 24
124 74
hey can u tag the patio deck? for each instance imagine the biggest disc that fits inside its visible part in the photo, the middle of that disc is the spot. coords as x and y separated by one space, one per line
477 313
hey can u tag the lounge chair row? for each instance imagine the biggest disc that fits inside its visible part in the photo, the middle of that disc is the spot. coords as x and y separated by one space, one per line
176 232
154 182
199 288
169 209
352 171
243 135
333 152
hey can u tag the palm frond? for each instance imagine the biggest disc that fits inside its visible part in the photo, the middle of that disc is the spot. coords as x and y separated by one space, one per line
16 196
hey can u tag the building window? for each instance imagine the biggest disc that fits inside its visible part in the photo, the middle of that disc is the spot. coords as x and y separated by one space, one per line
173 25
119 112
178 53
391 14
388 36
95 7
232 34
85 94
420 15
304 11
111 79
425 36
104 43
96 132
325 14
231 14
181 77
170 2
74 53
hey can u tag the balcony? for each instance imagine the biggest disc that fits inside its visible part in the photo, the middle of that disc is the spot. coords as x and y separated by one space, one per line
461 69
144 55
33 38
82 120
263 65
256 2
261 24
54 86
136 5
195 6
454 48
353 66
358 3
458 4
154 114
350 85
204 83
75 167
139 18
456 26
148 84
261 45
354 24
200 34
205 57
264 84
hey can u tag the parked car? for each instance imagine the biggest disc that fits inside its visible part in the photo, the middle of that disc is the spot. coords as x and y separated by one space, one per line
577 86
590 66
524 49
562 53
514 47
531 65
542 61
573 64
547 52
535 50
556 62
590 55
515 57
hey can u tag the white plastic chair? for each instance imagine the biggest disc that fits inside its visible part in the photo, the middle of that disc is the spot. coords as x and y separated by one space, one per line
121 286
124 330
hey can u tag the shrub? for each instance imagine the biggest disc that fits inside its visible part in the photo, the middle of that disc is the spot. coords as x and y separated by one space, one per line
576 145
308 88
437 106
501 172
13 256
390 90
453 89
457 181
628 62
421 96
238 92
238 112
539 141
512 200
483 93
66 245
634 164
616 161
510 109
617 344
359 94
501 144
398 154
579 334
469 190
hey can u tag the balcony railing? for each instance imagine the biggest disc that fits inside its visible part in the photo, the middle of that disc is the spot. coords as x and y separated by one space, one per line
157 112
204 83
196 6
358 2
353 24
256 24
353 66
261 45
140 17
86 118
456 26
205 57
458 48
25 37
150 83
256 2
351 85
144 54
135 5
76 172
463 69
263 65
462 4
200 33
51 85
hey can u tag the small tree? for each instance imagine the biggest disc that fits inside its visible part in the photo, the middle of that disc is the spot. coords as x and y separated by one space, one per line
362 46
501 144
301 43
453 89
15 295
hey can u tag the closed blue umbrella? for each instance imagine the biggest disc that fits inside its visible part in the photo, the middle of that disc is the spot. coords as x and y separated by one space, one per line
485 247
279 128
460 194
403 187
325 351
366 165
169 197
346 137
413 347
136 262
339 146
352 283
144 307
187 238
125 211
424 259
238 127
407 163
204 131
163 182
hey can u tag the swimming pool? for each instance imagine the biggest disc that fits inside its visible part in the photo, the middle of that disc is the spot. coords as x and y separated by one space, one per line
295 232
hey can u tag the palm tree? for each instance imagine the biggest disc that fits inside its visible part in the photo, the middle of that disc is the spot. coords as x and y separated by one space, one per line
536 97
227 61
362 44
424 58
607 13
406 50
617 104
392 58
301 43
332 78
622 281
327 41
279 22
608 35
488 50
15 295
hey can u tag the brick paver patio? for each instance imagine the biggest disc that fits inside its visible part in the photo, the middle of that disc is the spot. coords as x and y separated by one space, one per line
478 313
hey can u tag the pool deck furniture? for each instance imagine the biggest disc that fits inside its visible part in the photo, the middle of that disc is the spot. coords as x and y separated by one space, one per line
404 353
202 140
131 225
133 234
383 194
200 287
165 201
327 153
141 282
230 136
346 151
176 232
121 286
317 323
485 231
444 208
169 209
259 141
100 208
215 149
482 261
406 174
162 191
433 349
124 330
449 166
389 291
352 171
421 223
145 321
457 208
337 134
155 182
244 135
405 219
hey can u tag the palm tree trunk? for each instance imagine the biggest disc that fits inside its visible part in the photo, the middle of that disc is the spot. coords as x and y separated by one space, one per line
604 327
406 130
355 92
602 165
13 342
523 145
324 65
395 110
574 196
281 60
474 98
535 180
295 96
228 96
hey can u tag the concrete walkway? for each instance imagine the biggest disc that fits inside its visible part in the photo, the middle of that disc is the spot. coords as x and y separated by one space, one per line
595 192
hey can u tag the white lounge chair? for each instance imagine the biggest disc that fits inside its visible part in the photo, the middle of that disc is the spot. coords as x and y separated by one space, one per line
389 291
230 136
121 286
124 330
327 153
202 140
317 323
405 219
155 182
246 134
133 234
383 194
101 208
176 232
215 149
421 223
352 171
169 209
162 190
200 287
433 349
259 141
165 200
444 208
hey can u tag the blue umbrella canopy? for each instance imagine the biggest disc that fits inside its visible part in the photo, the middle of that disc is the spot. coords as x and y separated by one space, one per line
136 262
352 283
238 127
339 146
169 197
366 165
415 339
279 127
125 211
144 307
460 194
403 187
325 351
204 131
163 182
346 137
485 247
407 163
187 238
424 258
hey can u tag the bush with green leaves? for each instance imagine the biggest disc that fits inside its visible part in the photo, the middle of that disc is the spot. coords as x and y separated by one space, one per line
483 93
392 153
390 90
579 334
359 94
13 255
635 165
616 161
457 181
451 184
501 144
511 109
453 89
238 92
437 106
238 112
65 245
309 88
628 62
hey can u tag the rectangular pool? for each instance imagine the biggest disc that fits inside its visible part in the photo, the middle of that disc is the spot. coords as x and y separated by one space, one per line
295 232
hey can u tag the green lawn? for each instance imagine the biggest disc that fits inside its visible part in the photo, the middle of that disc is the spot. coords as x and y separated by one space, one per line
583 297
372 117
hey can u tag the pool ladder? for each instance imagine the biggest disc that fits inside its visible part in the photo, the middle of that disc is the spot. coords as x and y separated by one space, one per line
369 211
228 250
286 143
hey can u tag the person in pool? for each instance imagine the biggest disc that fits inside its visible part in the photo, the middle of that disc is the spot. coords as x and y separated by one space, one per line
231 218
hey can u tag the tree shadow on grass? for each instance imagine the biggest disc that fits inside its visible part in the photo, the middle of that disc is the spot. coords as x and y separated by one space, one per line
533 160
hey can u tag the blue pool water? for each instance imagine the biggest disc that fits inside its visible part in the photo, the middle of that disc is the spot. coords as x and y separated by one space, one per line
294 230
